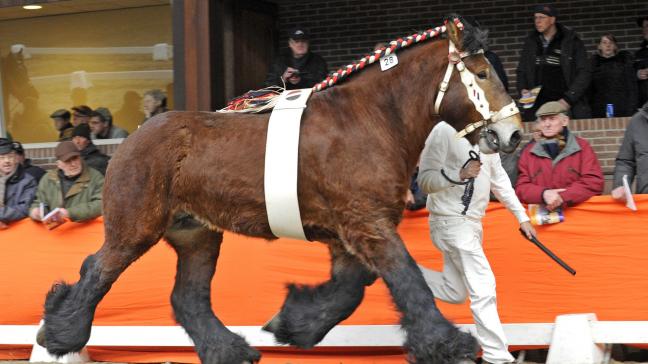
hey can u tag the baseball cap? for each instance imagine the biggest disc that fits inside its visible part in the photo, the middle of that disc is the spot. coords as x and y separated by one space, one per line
299 34
545 9
65 151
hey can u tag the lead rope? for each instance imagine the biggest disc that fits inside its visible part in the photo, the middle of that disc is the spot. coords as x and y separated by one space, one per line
470 183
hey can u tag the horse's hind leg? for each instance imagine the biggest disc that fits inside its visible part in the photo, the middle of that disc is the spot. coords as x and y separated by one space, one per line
310 312
198 249
69 309
430 337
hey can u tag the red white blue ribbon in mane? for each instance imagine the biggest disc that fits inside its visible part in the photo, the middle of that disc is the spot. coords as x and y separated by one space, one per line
344 72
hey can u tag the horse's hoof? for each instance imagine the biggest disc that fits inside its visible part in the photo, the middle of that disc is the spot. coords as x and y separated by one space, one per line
273 324
40 336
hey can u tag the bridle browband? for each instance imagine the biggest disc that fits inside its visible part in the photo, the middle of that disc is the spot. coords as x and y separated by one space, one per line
475 93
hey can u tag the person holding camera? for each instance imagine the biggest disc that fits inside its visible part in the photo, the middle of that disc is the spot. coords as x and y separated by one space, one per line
297 68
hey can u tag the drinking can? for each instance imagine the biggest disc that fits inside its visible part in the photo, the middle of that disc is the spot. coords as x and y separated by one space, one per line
609 110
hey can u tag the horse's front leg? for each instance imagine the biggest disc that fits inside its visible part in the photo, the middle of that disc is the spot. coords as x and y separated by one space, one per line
310 312
430 337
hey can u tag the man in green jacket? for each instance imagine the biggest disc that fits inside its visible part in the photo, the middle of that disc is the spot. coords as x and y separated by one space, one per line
81 186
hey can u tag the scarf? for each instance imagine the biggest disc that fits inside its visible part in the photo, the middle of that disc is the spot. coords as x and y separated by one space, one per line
554 145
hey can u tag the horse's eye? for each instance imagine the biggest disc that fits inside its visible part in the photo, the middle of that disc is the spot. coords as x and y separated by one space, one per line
482 75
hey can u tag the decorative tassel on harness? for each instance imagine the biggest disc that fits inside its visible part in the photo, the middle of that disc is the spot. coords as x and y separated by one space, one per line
470 183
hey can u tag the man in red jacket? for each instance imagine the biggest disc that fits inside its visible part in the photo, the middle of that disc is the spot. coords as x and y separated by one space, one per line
559 169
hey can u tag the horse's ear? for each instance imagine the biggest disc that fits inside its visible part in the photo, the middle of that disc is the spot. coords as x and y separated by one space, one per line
454 34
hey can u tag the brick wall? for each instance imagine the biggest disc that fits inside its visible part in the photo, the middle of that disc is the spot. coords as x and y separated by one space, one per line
345 30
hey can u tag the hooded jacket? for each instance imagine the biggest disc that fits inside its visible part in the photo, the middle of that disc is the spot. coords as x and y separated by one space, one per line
20 191
632 159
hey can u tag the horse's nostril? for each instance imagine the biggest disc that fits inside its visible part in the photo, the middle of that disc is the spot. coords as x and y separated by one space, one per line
515 139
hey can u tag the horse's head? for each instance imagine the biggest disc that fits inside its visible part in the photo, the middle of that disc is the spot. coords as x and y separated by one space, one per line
471 96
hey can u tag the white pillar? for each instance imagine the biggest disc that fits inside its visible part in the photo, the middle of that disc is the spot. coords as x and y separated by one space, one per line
572 341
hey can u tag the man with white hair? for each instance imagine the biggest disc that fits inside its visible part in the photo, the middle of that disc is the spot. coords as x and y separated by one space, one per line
559 169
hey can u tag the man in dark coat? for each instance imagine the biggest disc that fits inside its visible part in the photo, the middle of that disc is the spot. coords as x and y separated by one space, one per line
641 61
632 159
297 68
91 155
62 124
17 188
554 57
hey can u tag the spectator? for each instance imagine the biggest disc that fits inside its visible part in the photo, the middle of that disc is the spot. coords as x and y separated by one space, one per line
641 63
299 67
72 187
613 80
456 229
632 159
81 114
554 57
17 188
101 125
560 169
34 171
154 102
62 124
91 155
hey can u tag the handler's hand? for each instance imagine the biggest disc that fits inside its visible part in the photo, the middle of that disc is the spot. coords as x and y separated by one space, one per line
528 230
471 170
619 194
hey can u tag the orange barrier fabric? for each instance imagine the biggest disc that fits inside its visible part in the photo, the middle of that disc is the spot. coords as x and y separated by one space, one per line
602 240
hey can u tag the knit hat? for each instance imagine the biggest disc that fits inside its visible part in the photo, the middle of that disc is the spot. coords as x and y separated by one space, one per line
65 151
82 130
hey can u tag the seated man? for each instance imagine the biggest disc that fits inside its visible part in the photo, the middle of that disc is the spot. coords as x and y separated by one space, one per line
91 155
559 169
62 124
632 159
299 67
101 125
72 187
17 188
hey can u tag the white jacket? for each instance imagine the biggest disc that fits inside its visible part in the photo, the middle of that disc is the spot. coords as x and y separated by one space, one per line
444 151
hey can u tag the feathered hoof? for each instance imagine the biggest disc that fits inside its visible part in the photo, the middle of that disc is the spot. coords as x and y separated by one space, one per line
40 336
273 324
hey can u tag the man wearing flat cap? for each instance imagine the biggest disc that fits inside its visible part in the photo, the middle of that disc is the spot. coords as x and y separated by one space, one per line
62 123
17 188
90 154
72 187
554 59
641 61
81 114
559 169
297 68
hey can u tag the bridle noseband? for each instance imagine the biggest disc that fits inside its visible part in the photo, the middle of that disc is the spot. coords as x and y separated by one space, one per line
475 93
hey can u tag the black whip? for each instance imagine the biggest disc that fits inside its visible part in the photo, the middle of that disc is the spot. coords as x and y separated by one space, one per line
553 256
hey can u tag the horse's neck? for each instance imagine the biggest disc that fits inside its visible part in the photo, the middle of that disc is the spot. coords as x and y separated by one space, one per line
409 95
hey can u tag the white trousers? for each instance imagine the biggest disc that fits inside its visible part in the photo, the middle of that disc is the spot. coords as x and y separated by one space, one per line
466 272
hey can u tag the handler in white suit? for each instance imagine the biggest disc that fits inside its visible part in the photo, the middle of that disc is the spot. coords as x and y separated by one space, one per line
457 231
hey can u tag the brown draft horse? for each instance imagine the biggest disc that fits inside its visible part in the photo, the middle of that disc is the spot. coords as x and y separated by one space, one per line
188 176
